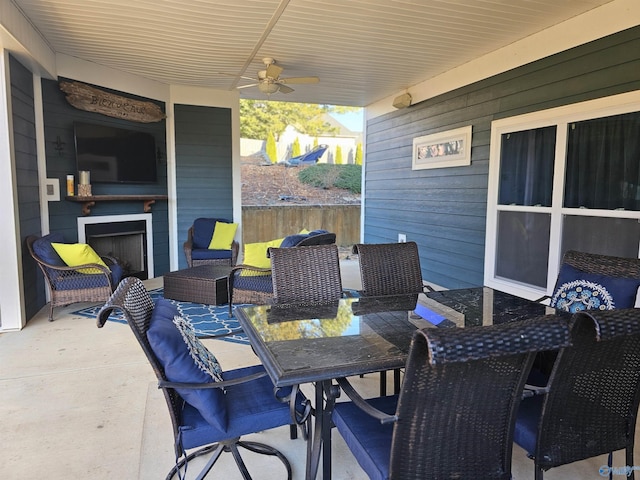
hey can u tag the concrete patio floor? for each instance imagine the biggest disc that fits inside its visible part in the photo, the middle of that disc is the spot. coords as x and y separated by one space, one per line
80 402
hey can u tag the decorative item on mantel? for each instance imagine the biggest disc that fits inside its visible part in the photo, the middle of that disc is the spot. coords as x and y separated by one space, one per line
84 187
70 191
91 99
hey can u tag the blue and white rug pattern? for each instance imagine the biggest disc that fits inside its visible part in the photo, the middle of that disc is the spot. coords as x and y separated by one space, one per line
206 319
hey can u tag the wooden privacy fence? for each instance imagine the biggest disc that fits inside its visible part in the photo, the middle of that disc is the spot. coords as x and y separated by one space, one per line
264 223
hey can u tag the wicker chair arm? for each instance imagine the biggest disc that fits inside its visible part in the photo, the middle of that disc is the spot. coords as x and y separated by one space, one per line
104 270
187 246
362 404
109 260
201 386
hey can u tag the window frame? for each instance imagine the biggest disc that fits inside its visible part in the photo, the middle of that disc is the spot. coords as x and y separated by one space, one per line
560 117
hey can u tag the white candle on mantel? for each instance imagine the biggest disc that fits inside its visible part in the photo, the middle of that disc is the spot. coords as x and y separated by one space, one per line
84 177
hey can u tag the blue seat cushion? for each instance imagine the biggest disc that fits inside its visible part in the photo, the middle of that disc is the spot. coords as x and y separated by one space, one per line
251 407
173 353
255 283
526 431
206 254
45 252
203 231
77 281
577 290
368 440
116 274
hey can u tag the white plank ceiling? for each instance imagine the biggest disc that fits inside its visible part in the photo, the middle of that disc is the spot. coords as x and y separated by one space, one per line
362 50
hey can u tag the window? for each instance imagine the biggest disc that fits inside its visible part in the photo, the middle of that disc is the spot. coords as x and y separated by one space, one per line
561 179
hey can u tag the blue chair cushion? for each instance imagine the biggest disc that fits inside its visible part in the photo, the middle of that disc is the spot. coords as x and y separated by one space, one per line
203 231
251 407
173 353
526 430
116 274
577 290
43 249
369 441
206 254
256 283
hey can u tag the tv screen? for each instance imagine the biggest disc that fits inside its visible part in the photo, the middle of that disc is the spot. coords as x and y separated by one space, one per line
115 155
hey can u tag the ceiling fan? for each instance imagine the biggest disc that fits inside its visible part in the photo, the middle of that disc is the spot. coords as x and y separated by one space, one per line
269 80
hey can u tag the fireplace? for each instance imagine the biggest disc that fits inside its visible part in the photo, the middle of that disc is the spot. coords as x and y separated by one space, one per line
128 238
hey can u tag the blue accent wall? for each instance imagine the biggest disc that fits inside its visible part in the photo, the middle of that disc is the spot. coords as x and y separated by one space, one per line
59 117
204 173
444 210
26 168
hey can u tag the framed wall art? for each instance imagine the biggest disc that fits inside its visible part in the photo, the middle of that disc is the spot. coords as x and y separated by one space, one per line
444 149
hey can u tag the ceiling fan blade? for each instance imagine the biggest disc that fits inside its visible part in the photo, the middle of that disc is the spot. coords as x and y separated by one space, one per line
237 76
250 85
284 89
274 71
298 80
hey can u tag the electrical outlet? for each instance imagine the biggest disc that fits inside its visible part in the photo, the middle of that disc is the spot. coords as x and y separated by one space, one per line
402 238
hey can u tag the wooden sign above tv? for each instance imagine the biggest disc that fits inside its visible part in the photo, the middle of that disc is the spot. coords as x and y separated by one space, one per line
91 99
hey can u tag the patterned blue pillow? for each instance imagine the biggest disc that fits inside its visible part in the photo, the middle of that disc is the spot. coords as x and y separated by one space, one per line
184 360
577 290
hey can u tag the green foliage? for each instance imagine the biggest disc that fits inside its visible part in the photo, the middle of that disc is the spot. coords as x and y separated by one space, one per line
315 142
358 159
324 175
295 148
271 149
259 117
338 158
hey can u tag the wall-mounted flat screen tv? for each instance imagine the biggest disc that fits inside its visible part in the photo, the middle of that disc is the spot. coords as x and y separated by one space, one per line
115 155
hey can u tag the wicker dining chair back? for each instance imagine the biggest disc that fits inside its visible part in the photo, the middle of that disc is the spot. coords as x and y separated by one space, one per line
389 268
306 274
455 414
593 393
619 267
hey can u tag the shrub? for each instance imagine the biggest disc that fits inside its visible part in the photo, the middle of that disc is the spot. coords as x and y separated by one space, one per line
324 175
271 148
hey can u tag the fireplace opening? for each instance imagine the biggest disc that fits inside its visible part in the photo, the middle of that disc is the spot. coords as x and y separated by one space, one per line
126 241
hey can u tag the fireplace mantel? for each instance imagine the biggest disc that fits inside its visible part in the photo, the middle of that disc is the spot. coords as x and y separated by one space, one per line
88 202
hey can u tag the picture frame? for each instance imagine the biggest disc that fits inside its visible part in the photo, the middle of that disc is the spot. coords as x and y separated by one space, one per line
444 149
52 189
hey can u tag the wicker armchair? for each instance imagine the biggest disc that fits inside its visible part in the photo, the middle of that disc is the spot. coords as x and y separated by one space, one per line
455 414
590 404
248 284
208 417
196 247
69 285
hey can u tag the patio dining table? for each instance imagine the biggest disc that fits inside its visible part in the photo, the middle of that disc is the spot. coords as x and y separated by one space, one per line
317 343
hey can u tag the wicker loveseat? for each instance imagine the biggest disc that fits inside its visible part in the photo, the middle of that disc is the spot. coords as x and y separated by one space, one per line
83 283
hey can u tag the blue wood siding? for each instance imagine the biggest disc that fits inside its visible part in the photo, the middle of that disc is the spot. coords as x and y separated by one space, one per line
444 210
26 168
59 118
203 166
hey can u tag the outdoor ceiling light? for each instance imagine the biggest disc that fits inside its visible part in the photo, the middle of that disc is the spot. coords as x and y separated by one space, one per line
268 87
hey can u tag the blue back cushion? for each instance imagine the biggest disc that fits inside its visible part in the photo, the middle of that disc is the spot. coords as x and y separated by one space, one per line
577 290
172 352
203 231
293 240
43 249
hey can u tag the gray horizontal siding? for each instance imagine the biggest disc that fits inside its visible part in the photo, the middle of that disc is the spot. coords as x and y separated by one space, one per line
203 166
444 210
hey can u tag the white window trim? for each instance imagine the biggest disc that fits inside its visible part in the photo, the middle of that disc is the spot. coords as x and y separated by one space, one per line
559 117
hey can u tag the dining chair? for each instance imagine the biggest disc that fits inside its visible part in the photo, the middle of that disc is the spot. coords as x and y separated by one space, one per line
210 409
455 414
389 269
306 274
590 404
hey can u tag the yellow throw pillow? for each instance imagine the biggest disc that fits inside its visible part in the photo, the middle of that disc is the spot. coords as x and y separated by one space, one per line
304 231
75 254
223 234
255 255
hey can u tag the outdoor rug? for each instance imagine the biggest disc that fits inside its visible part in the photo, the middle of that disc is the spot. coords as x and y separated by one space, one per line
206 319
